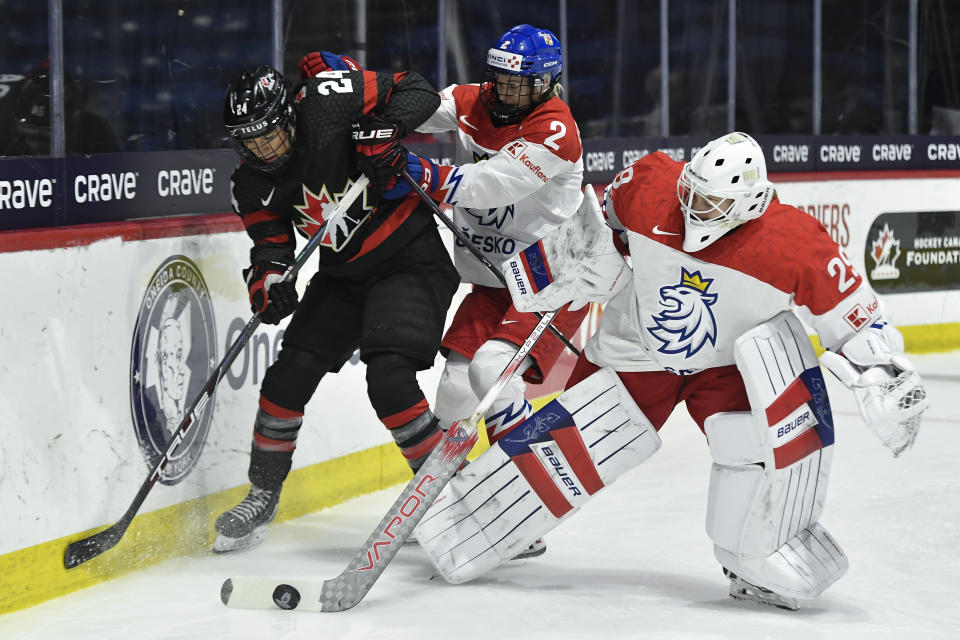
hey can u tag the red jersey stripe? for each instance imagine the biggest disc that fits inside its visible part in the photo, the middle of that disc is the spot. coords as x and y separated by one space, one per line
397 217
369 91
261 215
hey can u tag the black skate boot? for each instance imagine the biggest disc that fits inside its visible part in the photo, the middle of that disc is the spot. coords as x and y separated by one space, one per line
245 525
743 590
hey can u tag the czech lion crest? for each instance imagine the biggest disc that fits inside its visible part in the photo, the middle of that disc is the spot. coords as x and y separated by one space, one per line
686 322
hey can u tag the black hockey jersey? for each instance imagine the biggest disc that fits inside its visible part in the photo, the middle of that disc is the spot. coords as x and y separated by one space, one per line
322 168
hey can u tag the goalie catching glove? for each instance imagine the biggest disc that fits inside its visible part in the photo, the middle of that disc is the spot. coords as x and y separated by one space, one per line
272 299
577 262
888 389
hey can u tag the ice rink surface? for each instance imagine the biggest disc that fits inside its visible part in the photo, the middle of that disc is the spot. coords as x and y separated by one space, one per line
635 562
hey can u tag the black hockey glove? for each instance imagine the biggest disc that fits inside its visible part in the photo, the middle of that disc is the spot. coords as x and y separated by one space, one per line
379 154
281 301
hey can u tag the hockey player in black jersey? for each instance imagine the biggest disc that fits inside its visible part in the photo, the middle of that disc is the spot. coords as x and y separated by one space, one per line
385 279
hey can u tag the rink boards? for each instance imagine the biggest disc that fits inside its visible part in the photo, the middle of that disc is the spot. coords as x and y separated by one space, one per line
110 329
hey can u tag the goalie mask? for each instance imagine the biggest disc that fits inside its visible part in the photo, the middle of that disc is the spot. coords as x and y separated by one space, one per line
522 70
724 185
260 119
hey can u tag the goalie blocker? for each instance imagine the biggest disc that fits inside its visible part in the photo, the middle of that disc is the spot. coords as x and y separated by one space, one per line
535 477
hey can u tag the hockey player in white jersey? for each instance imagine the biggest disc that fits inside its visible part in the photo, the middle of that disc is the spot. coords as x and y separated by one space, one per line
518 175
703 317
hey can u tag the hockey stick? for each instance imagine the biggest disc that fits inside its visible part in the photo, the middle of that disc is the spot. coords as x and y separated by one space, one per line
350 587
80 551
465 241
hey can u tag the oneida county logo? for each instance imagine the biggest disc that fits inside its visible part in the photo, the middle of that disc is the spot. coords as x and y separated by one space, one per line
174 352
884 252
686 322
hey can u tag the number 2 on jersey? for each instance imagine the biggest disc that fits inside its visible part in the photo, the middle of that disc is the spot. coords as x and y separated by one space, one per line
561 130
838 267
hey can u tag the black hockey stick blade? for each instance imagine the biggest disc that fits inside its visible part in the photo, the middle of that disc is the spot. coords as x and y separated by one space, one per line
85 549
80 551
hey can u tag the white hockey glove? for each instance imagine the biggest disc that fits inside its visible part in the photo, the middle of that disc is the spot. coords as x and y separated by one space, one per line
577 262
888 389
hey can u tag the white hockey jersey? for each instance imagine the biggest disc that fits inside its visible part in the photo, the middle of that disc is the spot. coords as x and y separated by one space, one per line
513 184
685 311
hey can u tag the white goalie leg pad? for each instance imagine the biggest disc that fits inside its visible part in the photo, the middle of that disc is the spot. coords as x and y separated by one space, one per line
535 477
771 466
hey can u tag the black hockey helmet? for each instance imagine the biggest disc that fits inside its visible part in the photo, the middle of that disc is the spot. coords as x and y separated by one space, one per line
260 120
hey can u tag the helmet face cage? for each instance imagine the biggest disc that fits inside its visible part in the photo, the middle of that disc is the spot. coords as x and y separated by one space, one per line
724 185
260 119
521 72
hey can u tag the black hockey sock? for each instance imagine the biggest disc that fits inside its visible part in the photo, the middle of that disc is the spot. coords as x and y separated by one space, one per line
274 441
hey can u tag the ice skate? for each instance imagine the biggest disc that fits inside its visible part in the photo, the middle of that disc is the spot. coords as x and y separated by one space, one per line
743 590
245 525
537 548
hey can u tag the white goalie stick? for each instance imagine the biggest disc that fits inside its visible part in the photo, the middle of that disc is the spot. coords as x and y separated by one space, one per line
347 589
79 551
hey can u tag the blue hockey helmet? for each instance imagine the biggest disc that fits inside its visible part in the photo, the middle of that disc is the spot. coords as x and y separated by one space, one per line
522 70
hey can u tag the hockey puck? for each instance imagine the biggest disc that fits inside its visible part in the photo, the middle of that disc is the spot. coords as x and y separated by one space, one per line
226 590
286 597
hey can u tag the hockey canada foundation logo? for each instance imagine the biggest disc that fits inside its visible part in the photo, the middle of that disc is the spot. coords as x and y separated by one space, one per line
174 352
686 322
885 251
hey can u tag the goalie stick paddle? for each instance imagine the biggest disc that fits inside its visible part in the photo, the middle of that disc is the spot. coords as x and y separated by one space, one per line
79 551
465 241
347 589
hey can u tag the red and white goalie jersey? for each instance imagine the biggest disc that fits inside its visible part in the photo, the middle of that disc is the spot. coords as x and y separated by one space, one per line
685 311
514 183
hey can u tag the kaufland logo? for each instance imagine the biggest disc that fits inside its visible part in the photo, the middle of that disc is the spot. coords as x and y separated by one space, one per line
504 59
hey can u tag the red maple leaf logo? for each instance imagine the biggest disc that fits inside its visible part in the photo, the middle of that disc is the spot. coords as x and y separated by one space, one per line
315 211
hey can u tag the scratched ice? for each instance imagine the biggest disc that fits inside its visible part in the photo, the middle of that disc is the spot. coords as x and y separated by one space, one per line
634 563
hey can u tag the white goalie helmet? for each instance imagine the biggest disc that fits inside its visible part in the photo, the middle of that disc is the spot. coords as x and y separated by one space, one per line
724 185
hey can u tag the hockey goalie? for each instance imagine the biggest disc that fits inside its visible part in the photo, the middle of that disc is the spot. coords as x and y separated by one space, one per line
703 272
